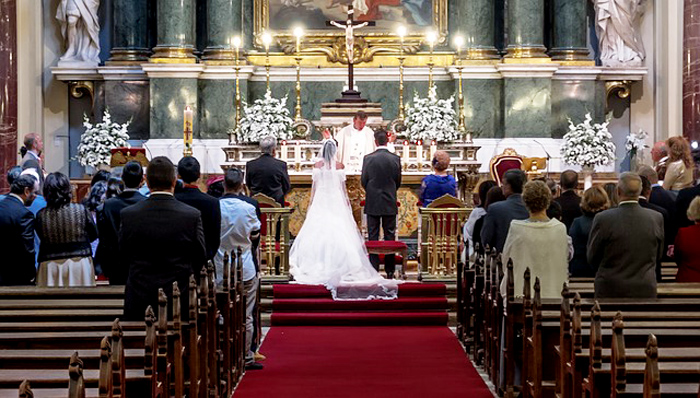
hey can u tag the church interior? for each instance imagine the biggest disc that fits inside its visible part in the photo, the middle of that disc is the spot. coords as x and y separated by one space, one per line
583 112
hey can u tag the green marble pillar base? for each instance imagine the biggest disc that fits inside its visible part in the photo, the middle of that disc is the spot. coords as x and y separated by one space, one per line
527 107
180 55
168 100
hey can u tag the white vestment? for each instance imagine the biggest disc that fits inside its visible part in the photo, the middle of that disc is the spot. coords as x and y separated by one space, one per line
353 145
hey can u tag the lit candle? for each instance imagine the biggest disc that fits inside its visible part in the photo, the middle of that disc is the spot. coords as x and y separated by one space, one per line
187 128
406 152
298 33
419 154
297 152
433 149
237 46
459 42
283 151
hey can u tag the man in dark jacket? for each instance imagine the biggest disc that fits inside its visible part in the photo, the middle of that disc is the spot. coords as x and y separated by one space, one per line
499 215
625 245
570 202
17 233
381 178
189 171
646 203
162 241
266 174
109 222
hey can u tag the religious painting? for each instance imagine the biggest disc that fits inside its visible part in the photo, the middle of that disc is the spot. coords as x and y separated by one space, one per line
387 14
418 16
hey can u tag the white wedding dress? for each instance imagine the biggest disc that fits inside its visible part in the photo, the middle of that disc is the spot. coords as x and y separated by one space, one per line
329 249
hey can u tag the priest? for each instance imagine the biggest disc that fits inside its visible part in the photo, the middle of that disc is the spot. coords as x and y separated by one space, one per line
354 142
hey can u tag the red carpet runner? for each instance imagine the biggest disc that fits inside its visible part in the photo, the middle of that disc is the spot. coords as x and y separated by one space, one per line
355 362
303 305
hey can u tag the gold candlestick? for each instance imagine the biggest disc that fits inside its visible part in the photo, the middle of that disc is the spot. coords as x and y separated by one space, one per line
298 32
187 131
402 58
431 38
267 40
237 46
459 41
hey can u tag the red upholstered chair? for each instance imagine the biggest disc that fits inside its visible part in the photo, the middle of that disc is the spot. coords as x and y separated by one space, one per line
274 236
499 164
441 235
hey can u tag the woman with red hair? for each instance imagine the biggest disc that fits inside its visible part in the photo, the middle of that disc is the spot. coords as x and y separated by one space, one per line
679 169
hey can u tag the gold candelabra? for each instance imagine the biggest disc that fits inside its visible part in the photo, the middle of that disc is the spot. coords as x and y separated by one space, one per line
298 32
237 45
267 40
460 96
431 38
402 59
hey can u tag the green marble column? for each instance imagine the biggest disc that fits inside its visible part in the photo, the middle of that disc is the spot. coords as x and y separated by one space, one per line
570 30
169 96
129 31
527 107
176 31
223 24
247 23
475 21
525 26
573 99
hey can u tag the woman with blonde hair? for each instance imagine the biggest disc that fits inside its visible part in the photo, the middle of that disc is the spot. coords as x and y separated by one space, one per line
440 183
594 201
679 167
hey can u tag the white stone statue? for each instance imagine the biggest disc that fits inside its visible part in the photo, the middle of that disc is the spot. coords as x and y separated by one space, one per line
618 25
80 28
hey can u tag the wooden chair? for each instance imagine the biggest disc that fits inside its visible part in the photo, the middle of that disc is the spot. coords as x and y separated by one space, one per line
499 164
441 235
274 236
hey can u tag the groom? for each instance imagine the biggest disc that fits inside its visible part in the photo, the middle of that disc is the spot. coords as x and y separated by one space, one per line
381 178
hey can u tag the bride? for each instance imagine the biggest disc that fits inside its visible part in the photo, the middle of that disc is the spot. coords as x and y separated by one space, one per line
329 249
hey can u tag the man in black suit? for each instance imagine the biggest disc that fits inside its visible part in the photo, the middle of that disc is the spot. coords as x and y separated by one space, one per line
646 203
109 222
570 202
162 241
17 233
659 196
625 245
189 171
381 178
266 174
31 158
499 215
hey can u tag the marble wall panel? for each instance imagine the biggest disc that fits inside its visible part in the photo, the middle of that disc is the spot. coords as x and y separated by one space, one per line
129 100
168 100
525 23
571 99
8 87
483 104
527 107
691 70
217 110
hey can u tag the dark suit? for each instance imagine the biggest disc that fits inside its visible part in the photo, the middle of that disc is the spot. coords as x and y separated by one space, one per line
162 241
268 176
570 207
30 161
685 196
624 246
497 220
109 222
667 223
381 178
661 197
16 243
211 215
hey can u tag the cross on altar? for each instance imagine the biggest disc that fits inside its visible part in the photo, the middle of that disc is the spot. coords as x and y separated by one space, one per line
350 95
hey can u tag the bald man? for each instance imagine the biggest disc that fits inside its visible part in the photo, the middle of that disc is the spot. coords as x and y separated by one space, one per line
625 244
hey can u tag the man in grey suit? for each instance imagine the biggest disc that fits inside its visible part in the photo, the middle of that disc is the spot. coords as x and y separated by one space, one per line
31 156
625 245
499 215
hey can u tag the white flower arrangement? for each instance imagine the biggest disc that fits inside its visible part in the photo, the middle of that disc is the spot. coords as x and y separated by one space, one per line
98 140
430 118
636 142
267 116
587 144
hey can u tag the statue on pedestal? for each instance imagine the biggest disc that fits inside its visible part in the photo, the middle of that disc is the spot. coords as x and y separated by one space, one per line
80 28
618 29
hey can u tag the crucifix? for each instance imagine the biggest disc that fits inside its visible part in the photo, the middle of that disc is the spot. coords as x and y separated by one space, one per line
350 95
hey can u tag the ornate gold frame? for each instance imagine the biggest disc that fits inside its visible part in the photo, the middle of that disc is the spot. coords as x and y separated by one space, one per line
332 43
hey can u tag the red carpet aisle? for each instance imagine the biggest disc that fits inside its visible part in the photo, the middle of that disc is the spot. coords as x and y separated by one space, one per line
358 362
303 305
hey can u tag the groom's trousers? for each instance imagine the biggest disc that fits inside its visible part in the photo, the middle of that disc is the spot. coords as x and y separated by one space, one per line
388 224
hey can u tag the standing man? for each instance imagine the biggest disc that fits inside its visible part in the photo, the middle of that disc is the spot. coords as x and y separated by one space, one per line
109 222
355 141
381 178
570 202
162 241
17 233
625 245
266 174
189 171
32 157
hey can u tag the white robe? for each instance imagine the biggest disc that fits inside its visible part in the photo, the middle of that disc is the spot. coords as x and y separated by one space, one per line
353 145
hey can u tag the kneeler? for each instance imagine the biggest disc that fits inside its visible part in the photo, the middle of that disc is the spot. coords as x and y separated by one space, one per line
384 247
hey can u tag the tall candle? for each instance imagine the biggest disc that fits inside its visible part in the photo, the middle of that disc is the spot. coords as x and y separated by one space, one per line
283 151
187 128
419 154
297 152
406 152
433 149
